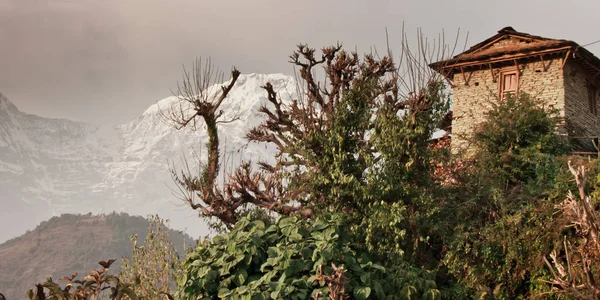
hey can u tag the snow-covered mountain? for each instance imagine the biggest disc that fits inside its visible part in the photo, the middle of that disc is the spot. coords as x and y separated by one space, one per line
54 166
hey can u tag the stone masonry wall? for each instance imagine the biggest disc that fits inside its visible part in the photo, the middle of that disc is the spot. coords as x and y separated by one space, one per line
542 80
580 120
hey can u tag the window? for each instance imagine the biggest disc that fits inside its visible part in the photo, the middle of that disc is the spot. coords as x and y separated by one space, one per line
509 83
592 99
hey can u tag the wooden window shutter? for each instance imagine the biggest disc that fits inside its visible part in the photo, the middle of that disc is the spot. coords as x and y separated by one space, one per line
592 99
509 82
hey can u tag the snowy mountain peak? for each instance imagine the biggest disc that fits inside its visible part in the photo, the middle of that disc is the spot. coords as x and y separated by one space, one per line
248 88
51 166
6 105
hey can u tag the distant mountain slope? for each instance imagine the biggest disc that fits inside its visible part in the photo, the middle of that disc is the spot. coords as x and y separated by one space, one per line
67 244
54 166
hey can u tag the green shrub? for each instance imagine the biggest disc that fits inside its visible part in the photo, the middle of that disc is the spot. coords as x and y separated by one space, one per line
501 215
154 266
518 133
294 259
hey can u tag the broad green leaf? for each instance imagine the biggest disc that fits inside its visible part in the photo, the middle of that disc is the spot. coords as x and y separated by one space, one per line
432 295
239 278
378 267
362 293
224 292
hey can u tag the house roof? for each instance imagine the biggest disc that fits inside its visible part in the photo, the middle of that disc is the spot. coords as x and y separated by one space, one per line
518 45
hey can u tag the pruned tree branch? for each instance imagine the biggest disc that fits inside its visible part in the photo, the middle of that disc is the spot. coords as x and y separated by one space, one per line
574 273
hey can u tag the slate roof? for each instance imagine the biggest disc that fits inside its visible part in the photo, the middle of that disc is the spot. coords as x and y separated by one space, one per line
528 46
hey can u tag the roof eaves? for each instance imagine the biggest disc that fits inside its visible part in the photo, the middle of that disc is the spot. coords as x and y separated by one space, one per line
546 46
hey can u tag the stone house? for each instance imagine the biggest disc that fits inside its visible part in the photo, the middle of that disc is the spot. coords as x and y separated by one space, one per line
561 73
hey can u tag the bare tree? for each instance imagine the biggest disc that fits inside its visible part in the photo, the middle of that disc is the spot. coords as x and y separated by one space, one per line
198 99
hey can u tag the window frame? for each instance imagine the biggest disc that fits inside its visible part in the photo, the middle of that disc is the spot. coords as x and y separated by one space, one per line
501 82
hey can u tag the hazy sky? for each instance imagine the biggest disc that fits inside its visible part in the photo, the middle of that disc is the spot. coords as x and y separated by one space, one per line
106 61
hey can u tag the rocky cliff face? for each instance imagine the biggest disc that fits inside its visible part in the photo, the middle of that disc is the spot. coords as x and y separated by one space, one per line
54 166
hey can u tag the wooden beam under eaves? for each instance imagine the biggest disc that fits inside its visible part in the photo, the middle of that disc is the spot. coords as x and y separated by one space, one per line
462 71
492 73
565 59
544 66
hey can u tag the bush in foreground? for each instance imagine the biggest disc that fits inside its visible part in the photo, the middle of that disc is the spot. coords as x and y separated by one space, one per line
294 259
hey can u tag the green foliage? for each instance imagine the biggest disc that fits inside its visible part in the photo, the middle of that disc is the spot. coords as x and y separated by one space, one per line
503 206
518 133
153 267
356 144
399 209
357 163
374 165
294 259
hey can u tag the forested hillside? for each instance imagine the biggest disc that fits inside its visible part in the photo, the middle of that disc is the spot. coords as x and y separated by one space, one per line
68 244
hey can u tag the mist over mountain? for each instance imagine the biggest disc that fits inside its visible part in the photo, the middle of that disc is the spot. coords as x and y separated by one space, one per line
54 166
